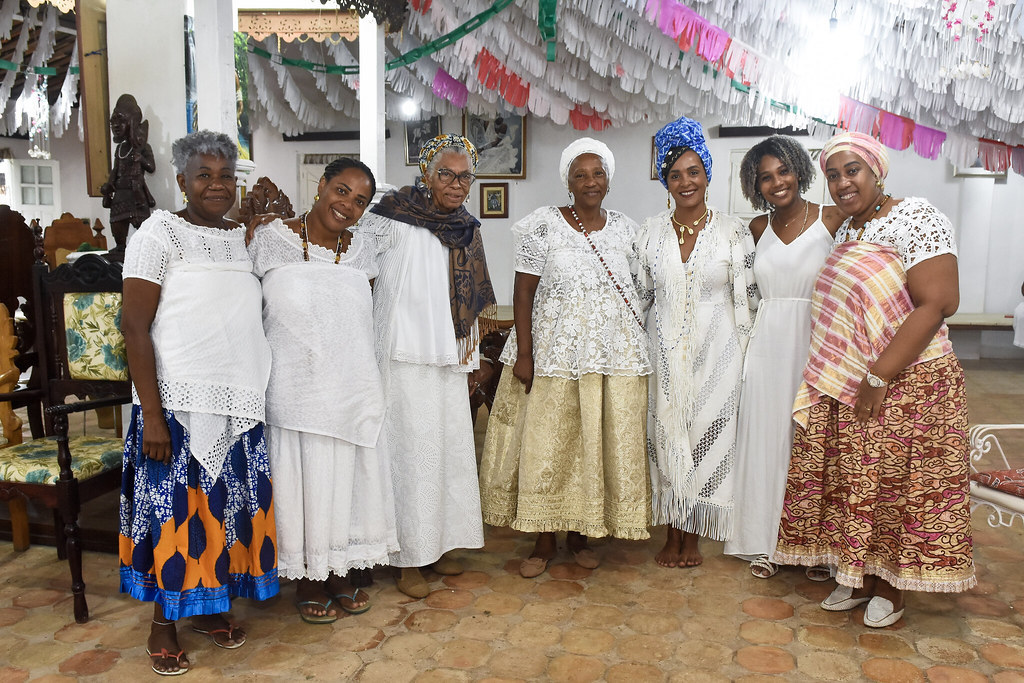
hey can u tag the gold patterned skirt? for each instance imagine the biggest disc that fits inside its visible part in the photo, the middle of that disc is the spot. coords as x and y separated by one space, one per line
568 456
889 497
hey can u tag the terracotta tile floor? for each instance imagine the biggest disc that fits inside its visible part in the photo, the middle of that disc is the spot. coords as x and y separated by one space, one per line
629 620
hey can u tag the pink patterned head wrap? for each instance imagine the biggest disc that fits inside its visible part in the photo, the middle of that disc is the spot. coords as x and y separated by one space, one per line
866 147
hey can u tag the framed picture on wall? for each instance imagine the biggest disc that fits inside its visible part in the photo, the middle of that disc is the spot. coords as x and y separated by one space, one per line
976 170
416 133
493 200
501 142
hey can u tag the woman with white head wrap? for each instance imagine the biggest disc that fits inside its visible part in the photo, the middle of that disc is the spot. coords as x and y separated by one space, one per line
565 439
694 267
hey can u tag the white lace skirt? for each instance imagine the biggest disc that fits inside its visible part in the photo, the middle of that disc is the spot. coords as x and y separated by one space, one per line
333 504
429 434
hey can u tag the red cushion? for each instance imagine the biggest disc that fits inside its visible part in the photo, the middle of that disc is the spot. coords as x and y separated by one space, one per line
1007 481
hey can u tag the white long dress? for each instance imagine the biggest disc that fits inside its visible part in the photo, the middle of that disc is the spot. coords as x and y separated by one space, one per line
776 357
427 427
698 325
325 406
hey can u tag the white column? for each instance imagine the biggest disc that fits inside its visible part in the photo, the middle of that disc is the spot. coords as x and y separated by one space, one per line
974 220
146 57
371 96
215 24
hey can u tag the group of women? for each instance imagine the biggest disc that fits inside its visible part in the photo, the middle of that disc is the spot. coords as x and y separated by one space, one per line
650 378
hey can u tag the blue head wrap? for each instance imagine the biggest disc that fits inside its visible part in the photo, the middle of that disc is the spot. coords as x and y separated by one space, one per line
681 134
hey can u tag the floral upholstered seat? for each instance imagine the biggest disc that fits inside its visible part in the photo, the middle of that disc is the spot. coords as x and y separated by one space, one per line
92 323
35 462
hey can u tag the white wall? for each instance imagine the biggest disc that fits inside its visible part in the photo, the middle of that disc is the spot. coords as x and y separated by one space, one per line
985 212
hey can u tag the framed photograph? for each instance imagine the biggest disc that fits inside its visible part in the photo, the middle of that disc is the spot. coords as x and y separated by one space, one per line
416 133
501 143
493 200
976 170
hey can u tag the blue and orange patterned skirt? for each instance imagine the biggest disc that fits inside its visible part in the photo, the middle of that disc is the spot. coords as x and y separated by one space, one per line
191 542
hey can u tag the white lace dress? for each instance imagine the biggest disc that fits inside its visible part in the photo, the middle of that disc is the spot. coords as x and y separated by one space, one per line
333 501
427 427
570 454
698 323
776 356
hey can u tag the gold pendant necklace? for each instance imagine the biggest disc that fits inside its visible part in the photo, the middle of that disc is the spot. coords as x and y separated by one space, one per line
684 227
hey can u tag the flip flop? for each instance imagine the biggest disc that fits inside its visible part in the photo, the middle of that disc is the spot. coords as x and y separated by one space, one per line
763 568
230 630
164 654
818 572
313 618
532 567
586 558
351 610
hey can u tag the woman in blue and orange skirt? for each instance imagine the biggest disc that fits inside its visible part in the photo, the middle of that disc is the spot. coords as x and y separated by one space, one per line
197 522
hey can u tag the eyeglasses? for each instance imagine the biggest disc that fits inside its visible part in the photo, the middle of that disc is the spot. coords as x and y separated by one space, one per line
449 176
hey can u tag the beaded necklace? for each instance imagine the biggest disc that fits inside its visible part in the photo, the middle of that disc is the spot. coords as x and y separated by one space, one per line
305 241
878 207
694 270
600 257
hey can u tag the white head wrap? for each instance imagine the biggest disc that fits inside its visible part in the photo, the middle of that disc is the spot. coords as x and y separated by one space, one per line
585 146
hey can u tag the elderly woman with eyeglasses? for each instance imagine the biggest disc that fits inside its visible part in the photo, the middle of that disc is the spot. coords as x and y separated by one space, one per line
428 296
565 448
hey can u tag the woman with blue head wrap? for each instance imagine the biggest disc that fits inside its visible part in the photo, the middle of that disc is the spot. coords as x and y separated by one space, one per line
694 270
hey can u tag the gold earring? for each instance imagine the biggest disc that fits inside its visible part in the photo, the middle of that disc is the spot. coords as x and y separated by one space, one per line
668 201
316 197
184 197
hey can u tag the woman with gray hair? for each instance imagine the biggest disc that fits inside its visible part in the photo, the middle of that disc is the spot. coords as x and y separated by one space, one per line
565 439
793 239
429 294
197 521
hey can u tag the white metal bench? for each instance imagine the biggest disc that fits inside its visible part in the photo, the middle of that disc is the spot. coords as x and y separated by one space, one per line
985 446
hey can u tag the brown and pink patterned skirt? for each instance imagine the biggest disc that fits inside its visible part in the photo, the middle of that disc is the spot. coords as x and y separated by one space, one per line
889 497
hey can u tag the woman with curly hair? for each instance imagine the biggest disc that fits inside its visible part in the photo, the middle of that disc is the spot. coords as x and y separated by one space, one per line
793 238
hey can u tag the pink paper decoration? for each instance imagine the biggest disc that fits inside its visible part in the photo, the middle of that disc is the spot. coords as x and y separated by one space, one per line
450 89
857 116
581 120
994 155
928 141
895 131
1017 159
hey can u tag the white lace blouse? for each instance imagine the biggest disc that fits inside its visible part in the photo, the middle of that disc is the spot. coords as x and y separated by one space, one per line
581 324
914 228
212 359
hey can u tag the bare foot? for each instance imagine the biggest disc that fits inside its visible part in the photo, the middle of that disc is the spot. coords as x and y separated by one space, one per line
348 596
671 554
691 556
163 648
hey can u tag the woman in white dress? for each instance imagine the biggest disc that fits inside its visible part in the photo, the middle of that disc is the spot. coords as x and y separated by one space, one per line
432 287
565 439
694 266
325 400
793 239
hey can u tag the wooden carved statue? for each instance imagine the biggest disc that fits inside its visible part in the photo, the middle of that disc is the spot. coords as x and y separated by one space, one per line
125 192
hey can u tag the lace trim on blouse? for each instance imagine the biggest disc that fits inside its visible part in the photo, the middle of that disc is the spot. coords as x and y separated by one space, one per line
165 239
580 322
914 228
275 244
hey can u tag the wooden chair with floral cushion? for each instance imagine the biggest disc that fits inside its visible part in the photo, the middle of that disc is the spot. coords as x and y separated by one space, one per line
78 310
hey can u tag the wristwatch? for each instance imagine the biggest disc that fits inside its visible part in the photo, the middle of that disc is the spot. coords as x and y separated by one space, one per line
875 381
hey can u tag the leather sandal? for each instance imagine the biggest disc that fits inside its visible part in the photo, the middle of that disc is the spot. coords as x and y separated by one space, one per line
763 568
164 654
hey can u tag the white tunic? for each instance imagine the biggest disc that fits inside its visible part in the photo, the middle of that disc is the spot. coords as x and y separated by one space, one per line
776 356
428 428
333 500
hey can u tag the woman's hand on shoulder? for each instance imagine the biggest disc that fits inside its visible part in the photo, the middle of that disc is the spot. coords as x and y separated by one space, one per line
257 221
758 226
832 217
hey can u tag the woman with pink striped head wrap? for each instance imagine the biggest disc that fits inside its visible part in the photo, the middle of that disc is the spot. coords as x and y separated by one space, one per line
881 386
